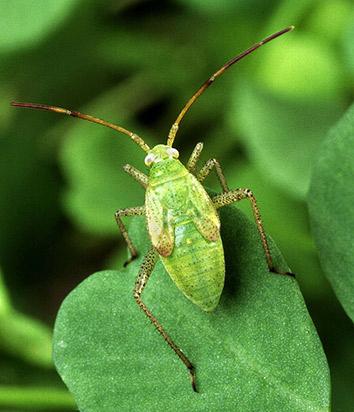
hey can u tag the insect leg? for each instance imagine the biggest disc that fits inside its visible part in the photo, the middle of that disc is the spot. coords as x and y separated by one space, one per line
130 211
143 277
208 167
232 196
139 176
194 157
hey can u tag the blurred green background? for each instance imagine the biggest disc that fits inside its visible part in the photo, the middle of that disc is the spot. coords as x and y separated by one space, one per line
135 63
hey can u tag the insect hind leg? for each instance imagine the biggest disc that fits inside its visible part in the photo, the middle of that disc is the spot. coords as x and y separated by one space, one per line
144 274
130 211
233 196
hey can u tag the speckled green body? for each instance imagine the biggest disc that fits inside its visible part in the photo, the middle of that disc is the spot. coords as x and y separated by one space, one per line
196 266
184 227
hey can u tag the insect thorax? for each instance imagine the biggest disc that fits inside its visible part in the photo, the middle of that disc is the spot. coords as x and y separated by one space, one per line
165 171
168 181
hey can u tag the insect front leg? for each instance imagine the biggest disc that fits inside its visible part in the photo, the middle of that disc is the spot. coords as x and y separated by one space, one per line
130 211
208 167
232 196
194 157
136 174
143 277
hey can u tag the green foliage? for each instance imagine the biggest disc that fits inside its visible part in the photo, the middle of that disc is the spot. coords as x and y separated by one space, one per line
258 350
21 335
26 21
36 398
5 305
26 338
280 135
336 13
330 199
316 64
135 63
349 48
211 7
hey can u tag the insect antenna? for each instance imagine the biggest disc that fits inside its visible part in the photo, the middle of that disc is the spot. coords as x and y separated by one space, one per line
137 139
174 128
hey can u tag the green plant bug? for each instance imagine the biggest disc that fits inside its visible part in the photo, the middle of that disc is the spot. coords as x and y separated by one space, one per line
182 219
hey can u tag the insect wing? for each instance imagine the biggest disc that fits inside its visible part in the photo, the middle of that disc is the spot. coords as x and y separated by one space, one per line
204 215
160 225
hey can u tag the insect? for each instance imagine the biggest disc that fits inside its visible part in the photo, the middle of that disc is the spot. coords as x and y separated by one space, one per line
182 219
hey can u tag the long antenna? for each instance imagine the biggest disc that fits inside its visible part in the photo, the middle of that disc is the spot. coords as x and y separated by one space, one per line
174 128
137 139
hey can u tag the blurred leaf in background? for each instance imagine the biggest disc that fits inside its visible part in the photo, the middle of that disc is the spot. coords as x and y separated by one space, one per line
135 63
22 336
331 199
27 22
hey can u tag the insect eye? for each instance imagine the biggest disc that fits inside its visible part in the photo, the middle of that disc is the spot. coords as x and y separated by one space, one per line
149 159
172 152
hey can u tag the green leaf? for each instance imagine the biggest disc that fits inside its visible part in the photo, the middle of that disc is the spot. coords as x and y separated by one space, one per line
316 65
285 218
348 48
24 22
212 7
281 136
331 18
331 199
35 398
26 338
21 335
5 304
259 350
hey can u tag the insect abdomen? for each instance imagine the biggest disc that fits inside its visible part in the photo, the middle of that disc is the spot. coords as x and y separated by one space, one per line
196 265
